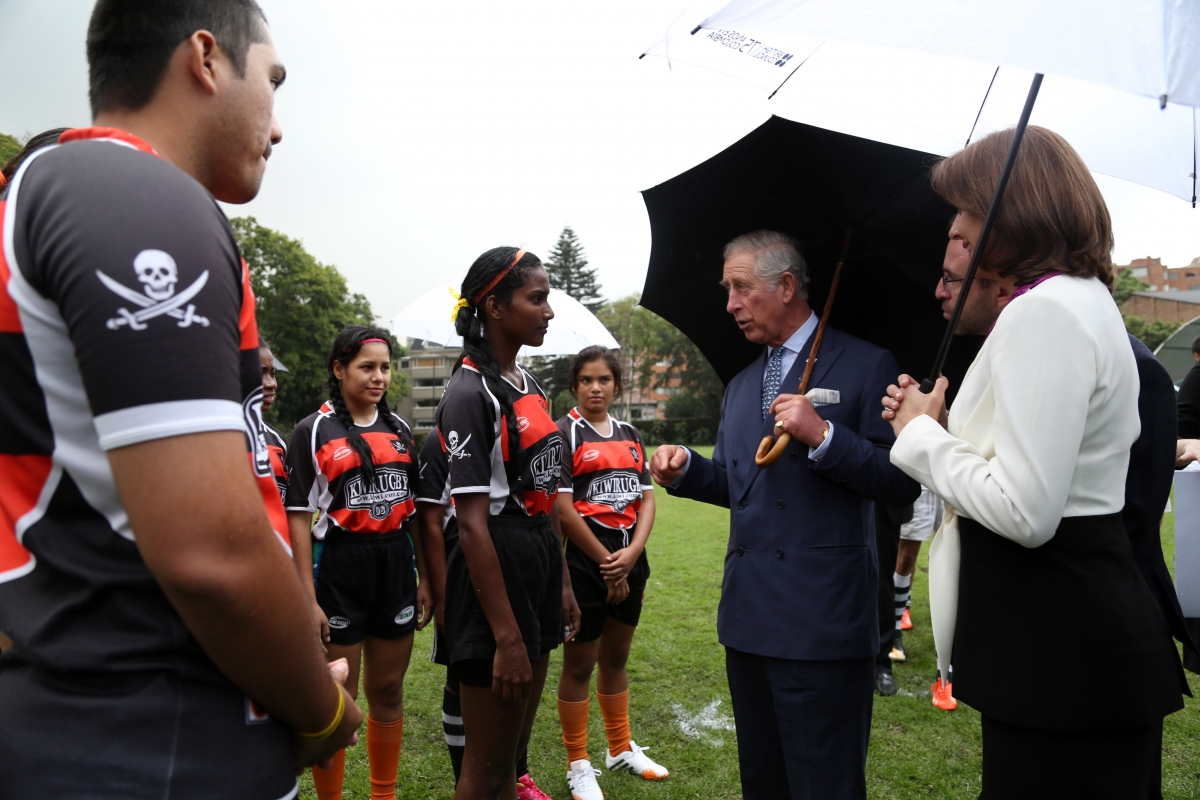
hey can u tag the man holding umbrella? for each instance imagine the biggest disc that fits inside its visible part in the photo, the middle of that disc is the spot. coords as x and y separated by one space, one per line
798 612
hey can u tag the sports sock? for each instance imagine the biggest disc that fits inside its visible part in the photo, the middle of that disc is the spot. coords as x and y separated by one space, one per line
574 719
615 708
903 585
452 727
328 782
383 754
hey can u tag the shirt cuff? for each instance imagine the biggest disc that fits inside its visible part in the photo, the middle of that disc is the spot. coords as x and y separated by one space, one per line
817 453
686 464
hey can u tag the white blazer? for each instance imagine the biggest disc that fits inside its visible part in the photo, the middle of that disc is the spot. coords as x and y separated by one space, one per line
1040 430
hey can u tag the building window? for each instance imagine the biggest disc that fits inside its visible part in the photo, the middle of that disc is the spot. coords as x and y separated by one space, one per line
1140 272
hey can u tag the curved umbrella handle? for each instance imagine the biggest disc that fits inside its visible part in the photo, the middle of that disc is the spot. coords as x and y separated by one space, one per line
770 449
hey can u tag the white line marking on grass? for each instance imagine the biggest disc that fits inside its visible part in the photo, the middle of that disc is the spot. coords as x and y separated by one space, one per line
702 724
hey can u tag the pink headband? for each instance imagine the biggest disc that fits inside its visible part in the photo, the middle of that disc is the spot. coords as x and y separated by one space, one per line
499 277
381 341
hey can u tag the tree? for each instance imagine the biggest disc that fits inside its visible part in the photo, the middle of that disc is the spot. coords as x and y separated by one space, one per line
9 147
302 304
1126 284
568 271
1151 332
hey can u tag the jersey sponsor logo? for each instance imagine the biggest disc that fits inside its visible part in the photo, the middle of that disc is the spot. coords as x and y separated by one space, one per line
337 623
457 449
389 489
590 455
399 447
406 614
617 491
546 466
252 418
522 424
341 452
156 271
633 451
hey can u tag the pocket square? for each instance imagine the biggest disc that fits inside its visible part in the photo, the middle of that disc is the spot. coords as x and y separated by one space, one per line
823 397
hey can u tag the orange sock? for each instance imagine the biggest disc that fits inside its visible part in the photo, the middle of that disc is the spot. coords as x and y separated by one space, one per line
574 719
383 753
615 708
328 782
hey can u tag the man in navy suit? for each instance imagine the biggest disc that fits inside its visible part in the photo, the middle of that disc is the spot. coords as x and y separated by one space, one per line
798 614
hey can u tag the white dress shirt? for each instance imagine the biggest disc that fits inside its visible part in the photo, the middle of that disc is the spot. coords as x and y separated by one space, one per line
1040 430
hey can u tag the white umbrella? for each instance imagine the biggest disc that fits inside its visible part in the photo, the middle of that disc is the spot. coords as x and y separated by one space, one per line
573 328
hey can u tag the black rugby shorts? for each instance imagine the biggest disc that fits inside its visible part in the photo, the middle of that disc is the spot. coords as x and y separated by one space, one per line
367 585
591 592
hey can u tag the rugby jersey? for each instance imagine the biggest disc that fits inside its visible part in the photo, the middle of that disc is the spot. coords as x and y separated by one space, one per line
434 486
605 474
326 475
126 316
277 452
473 434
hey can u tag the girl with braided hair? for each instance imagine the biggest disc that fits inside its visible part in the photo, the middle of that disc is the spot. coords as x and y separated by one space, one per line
355 462
508 598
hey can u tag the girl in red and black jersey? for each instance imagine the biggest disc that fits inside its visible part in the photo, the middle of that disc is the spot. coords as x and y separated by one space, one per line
276 446
355 462
508 595
606 504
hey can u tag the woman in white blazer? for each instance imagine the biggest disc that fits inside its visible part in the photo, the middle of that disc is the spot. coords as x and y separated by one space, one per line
1031 462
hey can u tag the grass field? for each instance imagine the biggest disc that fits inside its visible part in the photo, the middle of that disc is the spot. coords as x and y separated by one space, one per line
679 703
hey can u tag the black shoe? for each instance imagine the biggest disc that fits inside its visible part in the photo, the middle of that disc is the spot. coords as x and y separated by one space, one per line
885 684
897 653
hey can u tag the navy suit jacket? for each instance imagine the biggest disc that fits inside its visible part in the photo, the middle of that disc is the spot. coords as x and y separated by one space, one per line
1148 484
801 569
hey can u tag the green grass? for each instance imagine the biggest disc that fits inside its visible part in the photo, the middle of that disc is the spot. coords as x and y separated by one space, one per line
677 672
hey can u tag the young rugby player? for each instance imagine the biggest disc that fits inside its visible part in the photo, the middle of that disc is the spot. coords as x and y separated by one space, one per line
508 595
439 529
355 462
606 505
276 446
162 643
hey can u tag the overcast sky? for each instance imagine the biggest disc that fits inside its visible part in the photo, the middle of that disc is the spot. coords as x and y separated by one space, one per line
416 136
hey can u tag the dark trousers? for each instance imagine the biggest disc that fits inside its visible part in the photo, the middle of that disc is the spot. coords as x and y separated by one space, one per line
887 543
1116 764
802 726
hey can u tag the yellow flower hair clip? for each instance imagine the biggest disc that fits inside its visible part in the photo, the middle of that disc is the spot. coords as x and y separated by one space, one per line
461 303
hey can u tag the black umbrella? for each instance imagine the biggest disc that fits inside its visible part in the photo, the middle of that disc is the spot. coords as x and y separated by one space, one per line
817 185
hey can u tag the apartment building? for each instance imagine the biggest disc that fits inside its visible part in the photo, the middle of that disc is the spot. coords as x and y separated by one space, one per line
1163 278
428 366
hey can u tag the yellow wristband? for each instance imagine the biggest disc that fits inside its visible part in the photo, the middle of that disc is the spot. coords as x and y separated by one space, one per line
328 730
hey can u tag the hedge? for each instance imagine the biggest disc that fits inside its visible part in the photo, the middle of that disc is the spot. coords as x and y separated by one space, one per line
695 431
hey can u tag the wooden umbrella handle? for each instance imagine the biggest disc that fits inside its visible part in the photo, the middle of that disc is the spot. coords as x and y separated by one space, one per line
770 448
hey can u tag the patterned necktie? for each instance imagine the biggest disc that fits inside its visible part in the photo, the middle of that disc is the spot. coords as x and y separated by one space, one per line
772 379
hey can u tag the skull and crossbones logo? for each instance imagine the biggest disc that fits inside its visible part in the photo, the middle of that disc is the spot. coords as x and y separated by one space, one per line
158 274
458 450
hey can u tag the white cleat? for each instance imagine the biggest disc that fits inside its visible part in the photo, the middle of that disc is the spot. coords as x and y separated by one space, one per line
636 761
582 780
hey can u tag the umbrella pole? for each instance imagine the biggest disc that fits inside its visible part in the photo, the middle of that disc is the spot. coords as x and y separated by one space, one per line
1014 146
771 448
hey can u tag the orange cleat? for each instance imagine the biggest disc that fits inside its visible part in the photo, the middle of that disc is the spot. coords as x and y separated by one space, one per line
943 697
906 621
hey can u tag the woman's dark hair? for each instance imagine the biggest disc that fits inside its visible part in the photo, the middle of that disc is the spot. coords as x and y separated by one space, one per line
1052 216
130 43
469 323
43 139
596 353
345 347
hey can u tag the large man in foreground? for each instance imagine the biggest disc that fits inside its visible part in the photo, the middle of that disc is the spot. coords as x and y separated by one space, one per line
163 645
798 612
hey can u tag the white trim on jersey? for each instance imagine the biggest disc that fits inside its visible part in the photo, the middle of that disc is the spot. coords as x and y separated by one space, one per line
160 420
319 496
76 442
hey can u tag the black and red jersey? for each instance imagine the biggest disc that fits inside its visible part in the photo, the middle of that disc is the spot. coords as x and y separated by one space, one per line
434 486
605 474
473 433
326 475
277 452
126 316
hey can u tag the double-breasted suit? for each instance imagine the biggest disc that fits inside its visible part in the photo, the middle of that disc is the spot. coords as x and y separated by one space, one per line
798 611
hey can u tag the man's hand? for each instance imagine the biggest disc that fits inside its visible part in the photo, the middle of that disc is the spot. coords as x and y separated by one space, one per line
306 753
1186 451
425 603
905 402
799 418
667 463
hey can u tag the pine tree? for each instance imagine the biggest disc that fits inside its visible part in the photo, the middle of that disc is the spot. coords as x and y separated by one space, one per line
568 271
